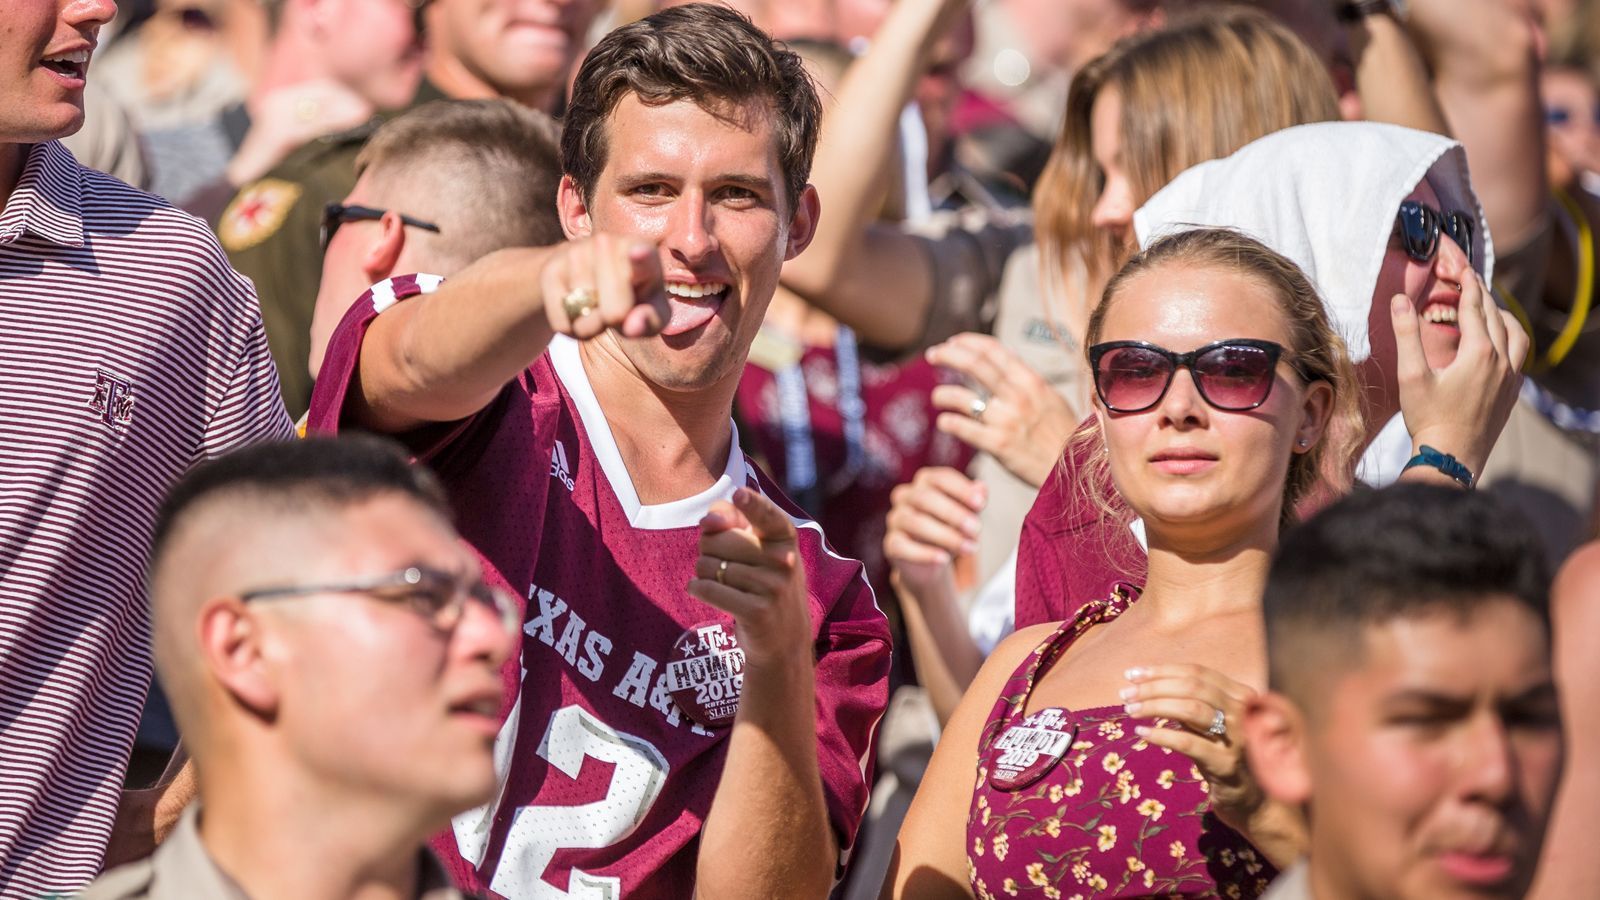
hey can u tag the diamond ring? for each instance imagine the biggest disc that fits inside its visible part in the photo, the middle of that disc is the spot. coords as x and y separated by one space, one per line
977 407
1219 724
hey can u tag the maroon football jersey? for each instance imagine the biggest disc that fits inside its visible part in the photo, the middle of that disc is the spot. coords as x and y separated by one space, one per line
606 782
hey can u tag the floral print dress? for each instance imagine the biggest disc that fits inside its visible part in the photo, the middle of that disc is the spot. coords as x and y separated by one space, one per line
1114 817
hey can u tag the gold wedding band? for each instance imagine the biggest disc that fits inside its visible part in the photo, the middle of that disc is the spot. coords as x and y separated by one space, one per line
722 572
578 302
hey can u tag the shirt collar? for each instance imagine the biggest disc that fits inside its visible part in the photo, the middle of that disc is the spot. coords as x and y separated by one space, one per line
47 201
182 862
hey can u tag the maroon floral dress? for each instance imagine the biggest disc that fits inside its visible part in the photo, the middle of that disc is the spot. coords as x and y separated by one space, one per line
1114 817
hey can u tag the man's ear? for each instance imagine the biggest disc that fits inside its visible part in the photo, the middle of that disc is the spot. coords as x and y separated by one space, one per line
232 651
1275 742
803 224
574 210
380 257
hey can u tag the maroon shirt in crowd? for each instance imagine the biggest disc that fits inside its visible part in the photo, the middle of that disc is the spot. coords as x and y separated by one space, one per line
1071 552
606 782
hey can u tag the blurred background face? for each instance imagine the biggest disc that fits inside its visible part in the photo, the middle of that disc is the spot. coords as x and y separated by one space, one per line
1184 463
378 51
1113 210
1434 764
1572 123
44 47
517 46
375 699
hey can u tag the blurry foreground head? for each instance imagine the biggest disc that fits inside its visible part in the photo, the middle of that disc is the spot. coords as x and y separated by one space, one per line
1412 711
320 628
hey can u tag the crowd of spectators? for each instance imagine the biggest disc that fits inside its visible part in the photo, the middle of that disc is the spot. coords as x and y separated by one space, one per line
799 448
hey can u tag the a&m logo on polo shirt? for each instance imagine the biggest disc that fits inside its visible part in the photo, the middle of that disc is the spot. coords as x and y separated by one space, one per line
113 399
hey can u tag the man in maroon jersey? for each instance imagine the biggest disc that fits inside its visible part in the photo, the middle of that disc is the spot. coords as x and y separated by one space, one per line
700 676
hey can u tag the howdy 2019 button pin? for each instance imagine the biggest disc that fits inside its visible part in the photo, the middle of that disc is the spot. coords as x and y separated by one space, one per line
1027 750
706 675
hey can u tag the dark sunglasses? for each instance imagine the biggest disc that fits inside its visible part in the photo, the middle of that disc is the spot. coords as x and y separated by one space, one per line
1419 224
1232 375
336 214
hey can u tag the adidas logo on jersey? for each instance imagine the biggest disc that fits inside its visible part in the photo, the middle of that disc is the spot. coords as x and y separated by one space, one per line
559 469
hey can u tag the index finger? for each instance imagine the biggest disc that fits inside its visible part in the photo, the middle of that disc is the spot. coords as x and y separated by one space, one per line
1176 671
771 524
650 312
969 362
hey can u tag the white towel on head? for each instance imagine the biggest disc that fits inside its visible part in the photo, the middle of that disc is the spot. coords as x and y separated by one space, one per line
1324 195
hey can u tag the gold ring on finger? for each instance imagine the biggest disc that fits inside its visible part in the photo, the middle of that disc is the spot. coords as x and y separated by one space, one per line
722 572
578 302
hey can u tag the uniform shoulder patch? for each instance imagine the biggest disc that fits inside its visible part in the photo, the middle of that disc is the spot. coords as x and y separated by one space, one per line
256 213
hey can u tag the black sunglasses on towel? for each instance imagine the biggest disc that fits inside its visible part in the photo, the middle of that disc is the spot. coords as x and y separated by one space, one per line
336 214
1232 375
1419 225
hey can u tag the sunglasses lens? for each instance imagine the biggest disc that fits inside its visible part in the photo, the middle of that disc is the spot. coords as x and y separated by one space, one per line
1459 228
1419 230
1234 376
1131 379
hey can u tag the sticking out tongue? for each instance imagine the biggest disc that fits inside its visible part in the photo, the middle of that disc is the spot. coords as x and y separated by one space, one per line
689 313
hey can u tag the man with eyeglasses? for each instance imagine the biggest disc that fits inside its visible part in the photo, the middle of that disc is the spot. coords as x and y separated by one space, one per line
332 654
701 676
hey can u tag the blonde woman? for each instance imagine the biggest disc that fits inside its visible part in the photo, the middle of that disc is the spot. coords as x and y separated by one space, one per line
1104 759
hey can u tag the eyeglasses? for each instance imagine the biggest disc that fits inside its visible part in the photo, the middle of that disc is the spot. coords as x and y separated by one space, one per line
1419 224
1232 375
336 214
439 597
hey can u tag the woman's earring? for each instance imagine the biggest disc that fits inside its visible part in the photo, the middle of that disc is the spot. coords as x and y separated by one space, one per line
1304 443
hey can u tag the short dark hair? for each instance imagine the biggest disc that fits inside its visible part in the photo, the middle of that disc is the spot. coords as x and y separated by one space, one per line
496 161
707 54
1405 551
325 472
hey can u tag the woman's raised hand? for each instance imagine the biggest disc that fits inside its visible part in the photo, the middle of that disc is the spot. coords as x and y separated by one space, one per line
1461 408
1013 414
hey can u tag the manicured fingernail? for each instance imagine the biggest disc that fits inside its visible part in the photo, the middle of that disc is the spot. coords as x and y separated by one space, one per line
1133 708
970 526
1142 730
969 547
1128 693
1133 674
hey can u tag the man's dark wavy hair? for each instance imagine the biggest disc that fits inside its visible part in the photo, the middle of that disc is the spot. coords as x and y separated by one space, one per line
707 54
1401 552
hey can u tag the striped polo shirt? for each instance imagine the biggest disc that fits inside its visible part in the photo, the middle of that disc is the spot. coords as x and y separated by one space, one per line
129 350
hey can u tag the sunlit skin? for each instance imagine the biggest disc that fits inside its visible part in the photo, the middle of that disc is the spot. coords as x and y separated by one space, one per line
40 102
521 49
1189 469
1113 211
1431 766
1431 286
415 712
385 64
709 191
